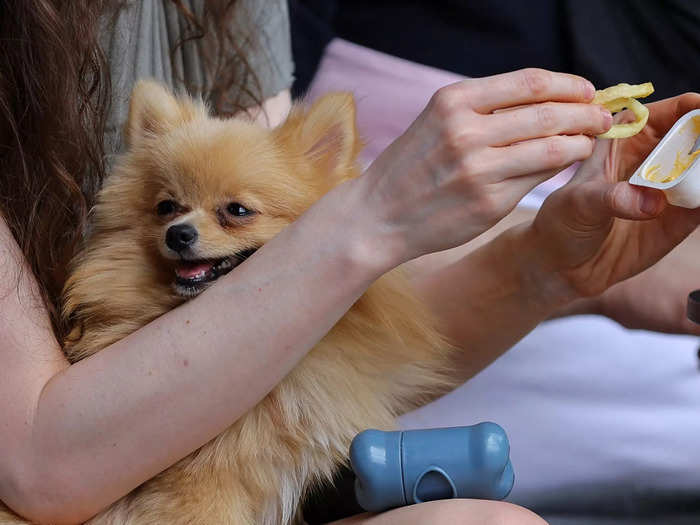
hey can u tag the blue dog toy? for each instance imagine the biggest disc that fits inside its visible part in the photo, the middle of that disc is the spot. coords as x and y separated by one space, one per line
406 467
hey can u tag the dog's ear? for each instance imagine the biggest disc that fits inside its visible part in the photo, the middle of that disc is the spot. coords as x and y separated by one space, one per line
154 110
326 133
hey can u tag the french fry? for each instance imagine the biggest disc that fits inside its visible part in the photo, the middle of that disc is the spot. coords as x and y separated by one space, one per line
603 96
616 98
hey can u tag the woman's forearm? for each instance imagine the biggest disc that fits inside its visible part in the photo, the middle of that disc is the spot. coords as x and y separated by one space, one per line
435 262
133 409
491 297
101 427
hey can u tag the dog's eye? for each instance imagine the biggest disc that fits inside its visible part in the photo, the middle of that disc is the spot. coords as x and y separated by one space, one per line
166 207
238 210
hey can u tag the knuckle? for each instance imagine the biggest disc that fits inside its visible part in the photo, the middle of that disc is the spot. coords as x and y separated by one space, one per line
612 199
687 101
546 117
445 101
555 150
472 170
581 85
453 143
596 116
581 147
459 137
487 207
464 171
536 81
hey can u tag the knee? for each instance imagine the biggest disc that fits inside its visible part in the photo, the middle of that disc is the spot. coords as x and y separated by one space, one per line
470 512
506 514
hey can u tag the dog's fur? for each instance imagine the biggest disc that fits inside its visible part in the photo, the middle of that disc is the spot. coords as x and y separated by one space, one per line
382 358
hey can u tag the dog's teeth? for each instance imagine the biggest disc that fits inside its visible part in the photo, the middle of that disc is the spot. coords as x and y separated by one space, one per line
190 285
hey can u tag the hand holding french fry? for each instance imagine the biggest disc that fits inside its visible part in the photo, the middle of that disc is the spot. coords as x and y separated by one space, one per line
478 147
599 230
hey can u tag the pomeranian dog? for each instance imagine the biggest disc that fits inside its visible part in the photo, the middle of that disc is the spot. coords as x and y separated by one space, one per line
191 198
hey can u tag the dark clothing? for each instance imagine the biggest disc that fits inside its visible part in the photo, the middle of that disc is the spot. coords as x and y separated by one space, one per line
607 41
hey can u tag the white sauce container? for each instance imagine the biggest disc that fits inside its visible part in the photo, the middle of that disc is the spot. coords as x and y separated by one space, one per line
684 191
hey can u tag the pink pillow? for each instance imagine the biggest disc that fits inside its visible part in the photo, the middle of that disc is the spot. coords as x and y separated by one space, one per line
390 94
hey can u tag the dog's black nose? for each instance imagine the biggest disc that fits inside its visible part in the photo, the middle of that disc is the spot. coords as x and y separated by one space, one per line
180 236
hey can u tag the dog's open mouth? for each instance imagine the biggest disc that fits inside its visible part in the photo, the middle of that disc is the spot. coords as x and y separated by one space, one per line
193 276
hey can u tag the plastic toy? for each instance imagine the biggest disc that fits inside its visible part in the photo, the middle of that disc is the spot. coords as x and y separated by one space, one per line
406 467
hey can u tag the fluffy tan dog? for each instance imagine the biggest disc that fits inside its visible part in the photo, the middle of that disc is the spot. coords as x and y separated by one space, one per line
211 191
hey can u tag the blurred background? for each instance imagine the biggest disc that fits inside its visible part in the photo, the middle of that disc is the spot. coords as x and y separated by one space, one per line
607 41
603 421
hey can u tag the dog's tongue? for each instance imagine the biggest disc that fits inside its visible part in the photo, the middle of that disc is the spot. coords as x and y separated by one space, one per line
192 270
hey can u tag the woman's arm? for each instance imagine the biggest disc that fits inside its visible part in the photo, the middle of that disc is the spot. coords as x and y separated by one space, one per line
652 300
488 299
76 438
577 248
41 472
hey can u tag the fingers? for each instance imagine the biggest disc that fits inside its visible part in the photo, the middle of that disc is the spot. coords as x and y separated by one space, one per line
621 200
604 152
527 86
599 201
521 186
537 156
634 202
664 113
682 222
686 102
544 120
669 110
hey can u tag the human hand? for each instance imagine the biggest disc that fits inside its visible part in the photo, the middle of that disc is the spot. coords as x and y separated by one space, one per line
597 231
478 147
656 299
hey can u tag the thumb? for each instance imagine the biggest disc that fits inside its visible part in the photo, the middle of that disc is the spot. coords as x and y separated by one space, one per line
597 163
622 200
602 162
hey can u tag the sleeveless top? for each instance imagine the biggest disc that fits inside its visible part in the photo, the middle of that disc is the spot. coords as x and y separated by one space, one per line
140 40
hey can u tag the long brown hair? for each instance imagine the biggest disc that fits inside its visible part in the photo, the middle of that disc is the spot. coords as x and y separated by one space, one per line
54 98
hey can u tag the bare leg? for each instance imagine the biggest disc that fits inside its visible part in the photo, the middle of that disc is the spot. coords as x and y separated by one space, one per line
450 512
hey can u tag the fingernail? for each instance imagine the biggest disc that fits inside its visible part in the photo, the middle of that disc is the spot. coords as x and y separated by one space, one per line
607 119
650 203
589 90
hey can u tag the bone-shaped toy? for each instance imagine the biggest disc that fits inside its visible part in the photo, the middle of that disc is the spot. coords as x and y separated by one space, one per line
412 466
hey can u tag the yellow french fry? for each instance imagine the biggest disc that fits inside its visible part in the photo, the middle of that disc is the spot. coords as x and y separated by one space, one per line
616 98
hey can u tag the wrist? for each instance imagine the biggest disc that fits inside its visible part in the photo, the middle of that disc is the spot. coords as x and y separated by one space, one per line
341 227
374 247
539 278
583 306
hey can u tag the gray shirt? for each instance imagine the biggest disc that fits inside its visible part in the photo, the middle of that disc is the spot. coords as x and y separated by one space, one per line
138 41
